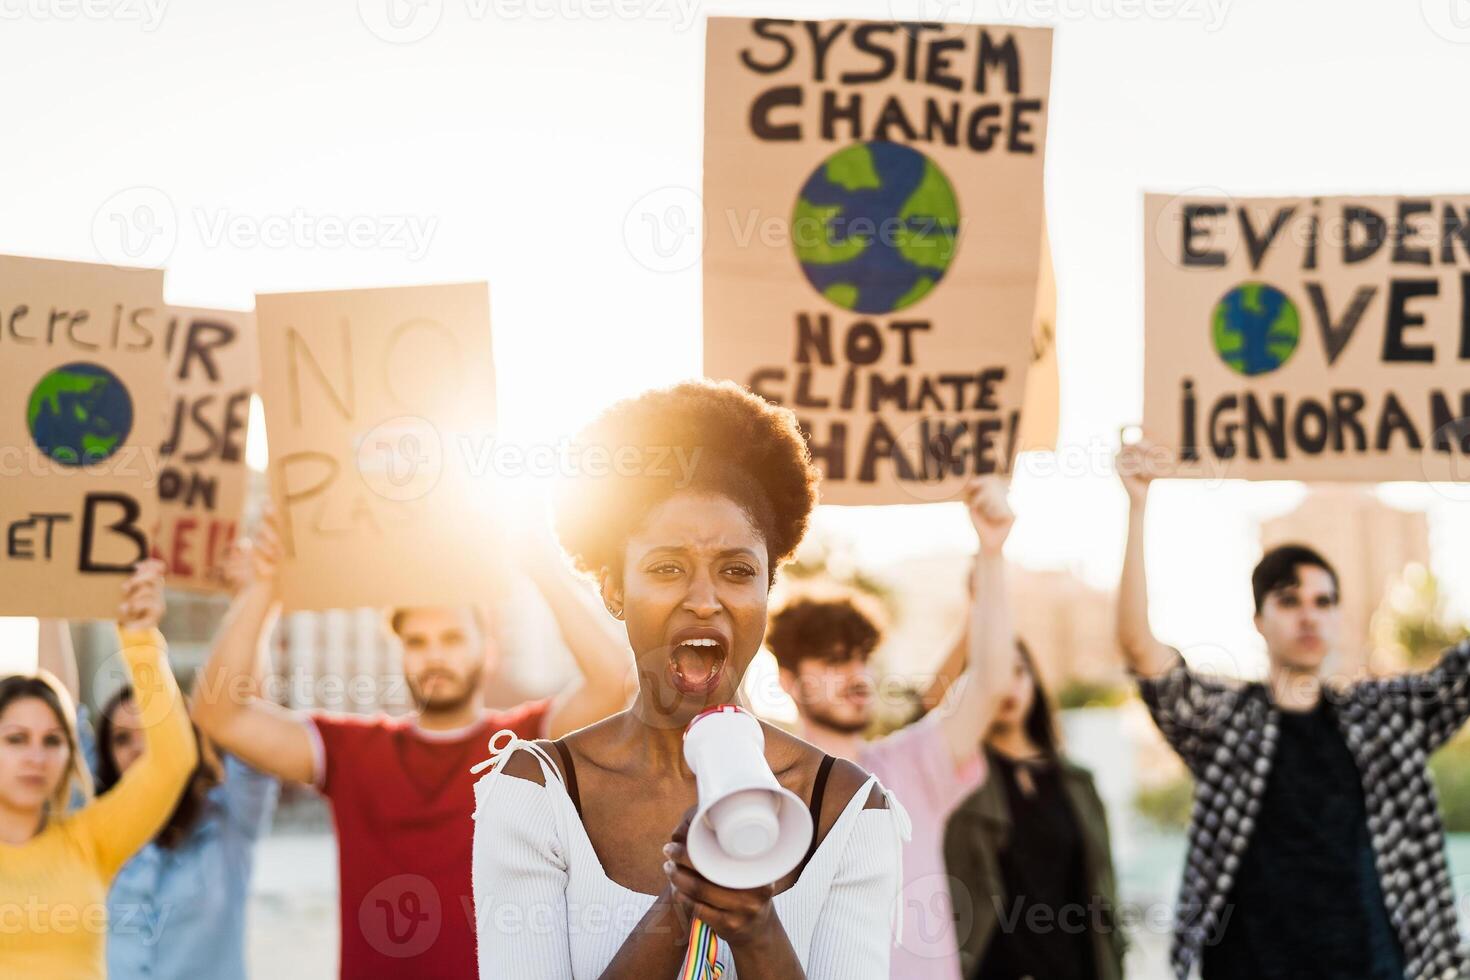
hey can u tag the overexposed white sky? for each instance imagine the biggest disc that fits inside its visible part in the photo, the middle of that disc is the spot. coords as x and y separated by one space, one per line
523 141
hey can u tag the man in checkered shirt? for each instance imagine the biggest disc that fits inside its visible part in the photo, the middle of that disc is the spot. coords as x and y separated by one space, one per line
1315 843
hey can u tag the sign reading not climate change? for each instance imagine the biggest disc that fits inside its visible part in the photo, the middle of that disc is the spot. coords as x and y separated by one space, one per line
873 213
81 416
1309 338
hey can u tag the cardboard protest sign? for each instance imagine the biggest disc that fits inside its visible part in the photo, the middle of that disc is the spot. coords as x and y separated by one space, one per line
379 407
81 415
1041 418
873 214
1309 338
202 485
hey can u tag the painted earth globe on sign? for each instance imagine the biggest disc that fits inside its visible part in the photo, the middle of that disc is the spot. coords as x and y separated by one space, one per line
79 413
875 227
1255 328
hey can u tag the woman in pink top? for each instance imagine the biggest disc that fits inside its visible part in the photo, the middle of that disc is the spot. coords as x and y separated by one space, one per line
822 647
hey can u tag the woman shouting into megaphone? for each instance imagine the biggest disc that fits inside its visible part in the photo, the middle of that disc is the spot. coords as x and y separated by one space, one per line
594 854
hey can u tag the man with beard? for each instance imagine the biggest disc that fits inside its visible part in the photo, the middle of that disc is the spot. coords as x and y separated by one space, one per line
822 647
401 790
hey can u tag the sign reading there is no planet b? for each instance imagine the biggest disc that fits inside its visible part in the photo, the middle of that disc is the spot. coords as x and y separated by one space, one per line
81 416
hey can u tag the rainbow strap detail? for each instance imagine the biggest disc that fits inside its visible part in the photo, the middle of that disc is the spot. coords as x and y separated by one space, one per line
703 961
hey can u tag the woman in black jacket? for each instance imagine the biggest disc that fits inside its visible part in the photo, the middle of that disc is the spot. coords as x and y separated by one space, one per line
1030 866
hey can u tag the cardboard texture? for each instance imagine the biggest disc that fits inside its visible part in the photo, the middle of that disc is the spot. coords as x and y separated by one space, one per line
873 219
380 408
1309 338
81 416
204 481
1041 418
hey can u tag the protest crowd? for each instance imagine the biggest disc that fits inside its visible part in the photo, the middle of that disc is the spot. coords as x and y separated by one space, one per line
644 820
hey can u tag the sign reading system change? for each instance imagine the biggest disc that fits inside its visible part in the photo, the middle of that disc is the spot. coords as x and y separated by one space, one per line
873 214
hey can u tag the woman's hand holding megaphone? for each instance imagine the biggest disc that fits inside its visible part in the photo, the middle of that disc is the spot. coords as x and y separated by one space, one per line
742 917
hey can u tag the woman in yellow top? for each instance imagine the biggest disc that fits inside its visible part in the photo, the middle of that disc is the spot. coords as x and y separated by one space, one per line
55 866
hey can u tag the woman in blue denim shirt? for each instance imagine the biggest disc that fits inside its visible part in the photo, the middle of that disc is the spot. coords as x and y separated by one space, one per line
177 908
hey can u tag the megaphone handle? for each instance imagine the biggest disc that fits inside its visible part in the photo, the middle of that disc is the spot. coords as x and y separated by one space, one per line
703 960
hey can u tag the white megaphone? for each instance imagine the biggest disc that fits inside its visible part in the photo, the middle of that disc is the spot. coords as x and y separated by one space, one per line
748 829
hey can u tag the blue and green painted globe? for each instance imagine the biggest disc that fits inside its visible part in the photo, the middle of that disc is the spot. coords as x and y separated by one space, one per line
875 227
79 413
1255 328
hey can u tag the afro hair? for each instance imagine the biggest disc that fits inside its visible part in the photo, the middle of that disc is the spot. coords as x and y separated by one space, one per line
712 436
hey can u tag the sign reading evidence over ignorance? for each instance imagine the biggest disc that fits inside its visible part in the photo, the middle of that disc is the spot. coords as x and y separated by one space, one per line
873 210
1309 338
81 416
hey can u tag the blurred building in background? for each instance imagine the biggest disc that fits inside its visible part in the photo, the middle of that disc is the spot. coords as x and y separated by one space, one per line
342 660
338 660
1067 624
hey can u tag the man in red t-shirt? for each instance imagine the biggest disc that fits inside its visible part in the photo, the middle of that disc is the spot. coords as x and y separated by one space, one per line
401 790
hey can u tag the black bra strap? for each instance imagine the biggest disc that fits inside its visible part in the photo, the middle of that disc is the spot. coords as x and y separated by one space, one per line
571 775
819 788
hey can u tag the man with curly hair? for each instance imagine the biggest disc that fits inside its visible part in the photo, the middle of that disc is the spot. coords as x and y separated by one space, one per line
822 647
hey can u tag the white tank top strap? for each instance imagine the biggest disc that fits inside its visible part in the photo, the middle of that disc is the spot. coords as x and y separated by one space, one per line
503 745
903 832
903 824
